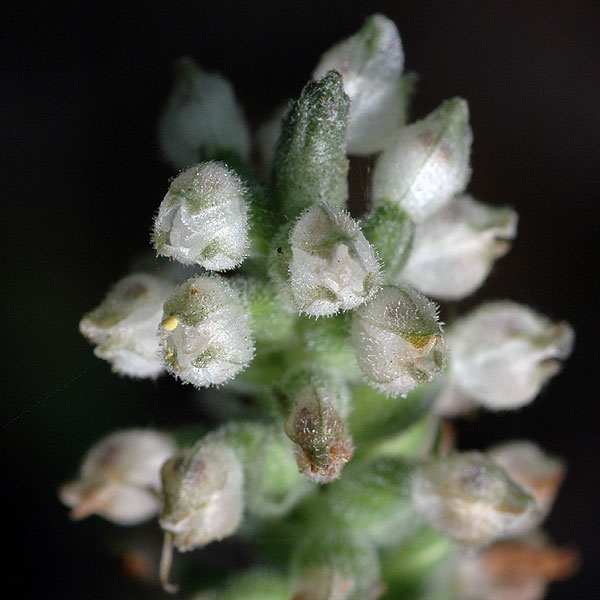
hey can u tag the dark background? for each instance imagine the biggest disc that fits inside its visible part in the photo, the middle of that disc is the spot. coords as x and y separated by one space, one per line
82 87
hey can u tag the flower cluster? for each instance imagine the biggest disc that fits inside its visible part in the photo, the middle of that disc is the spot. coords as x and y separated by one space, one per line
343 473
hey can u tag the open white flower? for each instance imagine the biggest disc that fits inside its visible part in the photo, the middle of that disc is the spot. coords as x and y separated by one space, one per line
124 326
333 267
203 219
119 478
454 250
206 337
502 355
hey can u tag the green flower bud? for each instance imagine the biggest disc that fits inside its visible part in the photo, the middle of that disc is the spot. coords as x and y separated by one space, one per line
203 219
124 326
332 267
335 566
398 340
427 162
315 423
454 250
371 63
201 118
469 498
310 161
502 354
205 335
203 498
119 477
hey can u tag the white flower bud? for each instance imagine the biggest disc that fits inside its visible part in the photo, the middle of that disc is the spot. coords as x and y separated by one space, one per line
469 498
203 498
333 267
203 219
454 250
371 63
502 354
124 325
201 118
427 163
536 472
206 338
119 478
398 340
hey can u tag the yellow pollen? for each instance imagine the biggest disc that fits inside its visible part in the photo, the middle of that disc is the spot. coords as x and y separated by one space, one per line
170 323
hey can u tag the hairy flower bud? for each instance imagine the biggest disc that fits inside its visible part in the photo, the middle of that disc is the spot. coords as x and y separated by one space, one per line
203 498
539 474
398 340
310 162
203 219
205 335
502 354
316 425
427 162
201 118
333 267
454 250
124 326
469 498
371 63
119 478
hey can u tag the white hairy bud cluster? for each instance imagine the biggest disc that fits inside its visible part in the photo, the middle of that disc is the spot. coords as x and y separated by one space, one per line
119 478
398 340
205 333
371 63
427 163
454 250
502 354
203 219
124 326
333 267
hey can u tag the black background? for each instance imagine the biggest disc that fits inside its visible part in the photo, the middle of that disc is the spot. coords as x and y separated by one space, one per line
82 87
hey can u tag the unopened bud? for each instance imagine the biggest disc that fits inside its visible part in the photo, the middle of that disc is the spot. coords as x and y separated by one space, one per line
206 338
469 498
124 326
203 498
535 471
371 63
398 340
256 584
503 353
201 118
119 478
454 250
335 566
203 219
427 163
333 267
316 426
310 162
